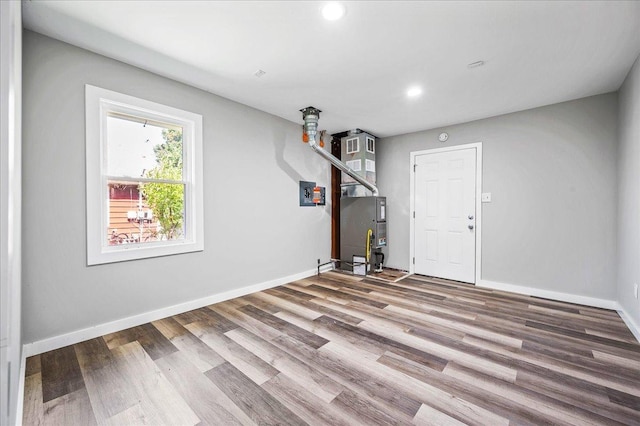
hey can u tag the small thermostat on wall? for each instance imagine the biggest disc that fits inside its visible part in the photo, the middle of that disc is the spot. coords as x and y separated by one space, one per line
486 197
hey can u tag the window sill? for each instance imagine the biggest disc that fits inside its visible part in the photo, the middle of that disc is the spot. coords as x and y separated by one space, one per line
127 252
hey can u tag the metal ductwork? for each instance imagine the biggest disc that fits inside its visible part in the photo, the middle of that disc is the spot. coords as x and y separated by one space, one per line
310 115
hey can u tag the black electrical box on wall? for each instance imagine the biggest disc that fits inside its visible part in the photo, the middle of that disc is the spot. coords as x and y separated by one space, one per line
307 195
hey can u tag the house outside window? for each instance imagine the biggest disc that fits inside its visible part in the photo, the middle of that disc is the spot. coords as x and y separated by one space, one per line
353 145
371 145
144 178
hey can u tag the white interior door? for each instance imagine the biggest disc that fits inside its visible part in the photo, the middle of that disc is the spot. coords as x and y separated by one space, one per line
445 216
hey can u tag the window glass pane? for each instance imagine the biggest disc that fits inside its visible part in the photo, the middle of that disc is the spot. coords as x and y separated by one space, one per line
145 212
143 148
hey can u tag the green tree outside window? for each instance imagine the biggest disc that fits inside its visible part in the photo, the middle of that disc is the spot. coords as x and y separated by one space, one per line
166 200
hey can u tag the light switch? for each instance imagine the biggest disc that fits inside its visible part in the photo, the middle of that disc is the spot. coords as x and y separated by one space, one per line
486 197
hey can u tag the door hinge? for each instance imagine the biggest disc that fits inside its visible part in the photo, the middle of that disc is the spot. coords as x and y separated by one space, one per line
414 167
414 260
414 214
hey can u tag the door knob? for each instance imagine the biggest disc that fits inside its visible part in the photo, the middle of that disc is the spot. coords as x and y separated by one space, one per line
470 226
470 217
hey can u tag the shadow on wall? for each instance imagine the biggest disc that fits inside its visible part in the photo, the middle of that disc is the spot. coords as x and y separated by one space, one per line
279 139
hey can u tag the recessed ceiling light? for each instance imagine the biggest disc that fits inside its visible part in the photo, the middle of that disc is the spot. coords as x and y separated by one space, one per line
414 91
333 11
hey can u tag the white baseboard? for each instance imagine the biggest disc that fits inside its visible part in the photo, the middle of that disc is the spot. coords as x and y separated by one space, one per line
73 337
548 294
633 326
567 297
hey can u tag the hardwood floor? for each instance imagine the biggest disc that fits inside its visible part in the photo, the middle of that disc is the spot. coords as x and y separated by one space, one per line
342 350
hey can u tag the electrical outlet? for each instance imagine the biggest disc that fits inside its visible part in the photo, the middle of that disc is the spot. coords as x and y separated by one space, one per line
635 290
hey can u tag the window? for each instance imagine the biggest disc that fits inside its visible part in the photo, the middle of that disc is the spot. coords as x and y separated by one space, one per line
370 165
371 145
144 178
353 145
355 165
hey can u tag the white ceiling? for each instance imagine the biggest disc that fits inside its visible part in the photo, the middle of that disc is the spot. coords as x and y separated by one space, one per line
357 69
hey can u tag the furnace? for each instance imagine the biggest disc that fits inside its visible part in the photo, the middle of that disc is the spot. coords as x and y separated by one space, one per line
363 212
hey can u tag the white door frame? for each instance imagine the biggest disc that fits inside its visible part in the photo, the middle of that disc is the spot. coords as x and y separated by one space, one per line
412 203
11 359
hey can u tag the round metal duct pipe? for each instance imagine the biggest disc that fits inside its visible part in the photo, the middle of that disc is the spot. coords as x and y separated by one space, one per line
311 115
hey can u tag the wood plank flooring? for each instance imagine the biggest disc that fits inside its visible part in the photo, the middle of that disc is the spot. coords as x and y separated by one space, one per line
342 350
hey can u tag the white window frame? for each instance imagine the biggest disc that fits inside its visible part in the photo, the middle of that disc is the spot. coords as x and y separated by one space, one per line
99 103
373 144
355 165
356 145
369 165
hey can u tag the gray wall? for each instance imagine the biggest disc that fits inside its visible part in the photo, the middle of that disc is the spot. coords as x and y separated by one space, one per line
254 229
552 175
629 193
